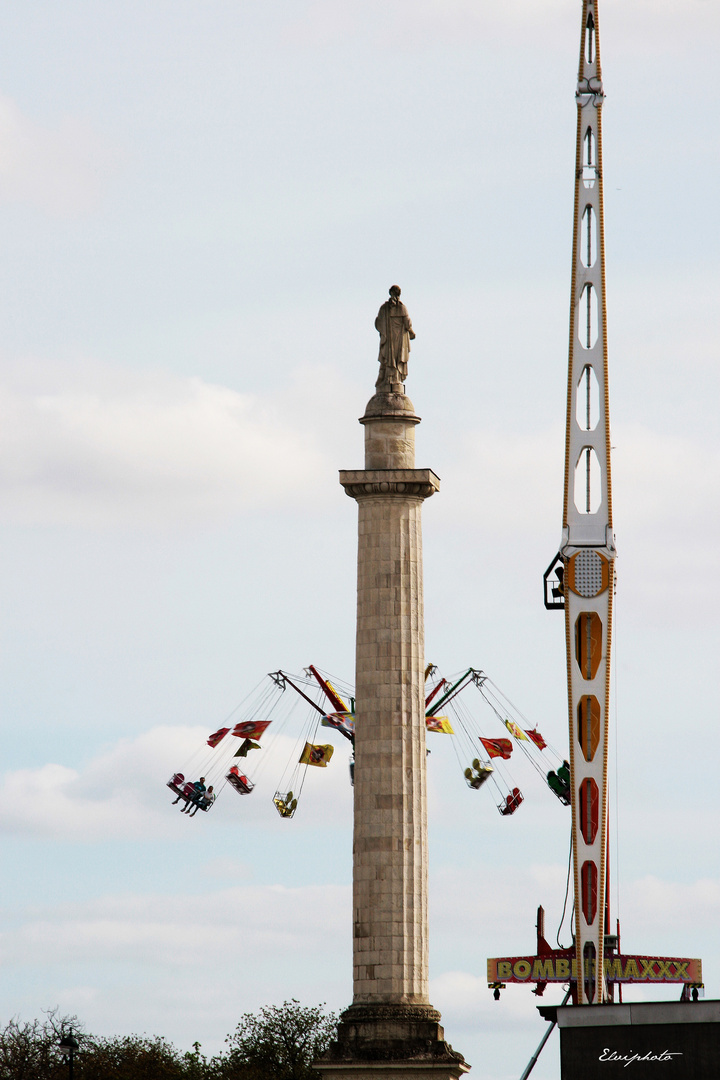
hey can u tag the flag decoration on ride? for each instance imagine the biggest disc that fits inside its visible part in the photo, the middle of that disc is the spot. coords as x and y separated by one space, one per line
515 730
217 736
440 724
251 729
245 747
537 738
344 722
497 747
314 754
335 697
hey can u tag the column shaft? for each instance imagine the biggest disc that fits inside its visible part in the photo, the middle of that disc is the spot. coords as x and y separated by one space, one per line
390 955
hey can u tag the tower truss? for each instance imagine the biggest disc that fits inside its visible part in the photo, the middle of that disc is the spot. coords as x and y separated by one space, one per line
581 581
588 548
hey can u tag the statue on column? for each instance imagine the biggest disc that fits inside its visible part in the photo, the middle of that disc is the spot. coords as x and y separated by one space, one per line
395 329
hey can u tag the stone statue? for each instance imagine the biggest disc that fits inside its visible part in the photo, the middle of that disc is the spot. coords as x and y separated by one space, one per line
395 329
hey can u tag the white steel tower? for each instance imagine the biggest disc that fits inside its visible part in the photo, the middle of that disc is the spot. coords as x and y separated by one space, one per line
588 547
581 581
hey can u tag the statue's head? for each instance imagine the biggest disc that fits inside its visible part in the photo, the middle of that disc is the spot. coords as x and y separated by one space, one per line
394 291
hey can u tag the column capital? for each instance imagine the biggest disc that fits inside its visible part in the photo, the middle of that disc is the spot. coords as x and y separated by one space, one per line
364 483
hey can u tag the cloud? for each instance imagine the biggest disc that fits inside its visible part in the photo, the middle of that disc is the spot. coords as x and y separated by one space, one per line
108 798
404 25
674 915
62 170
163 931
181 966
120 793
466 998
107 447
666 500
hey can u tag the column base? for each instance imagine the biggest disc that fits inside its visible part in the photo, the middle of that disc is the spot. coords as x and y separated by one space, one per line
402 1042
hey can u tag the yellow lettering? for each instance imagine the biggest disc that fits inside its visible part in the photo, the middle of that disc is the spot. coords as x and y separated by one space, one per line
543 969
613 968
681 969
522 969
631 970
648 971
504 970
574 967
664 969
562 968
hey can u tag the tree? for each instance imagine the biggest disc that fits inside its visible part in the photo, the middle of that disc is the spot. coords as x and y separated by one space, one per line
278 1043
130 1057
31 1050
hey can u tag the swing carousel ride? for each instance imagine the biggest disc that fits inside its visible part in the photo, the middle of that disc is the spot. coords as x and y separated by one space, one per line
468 706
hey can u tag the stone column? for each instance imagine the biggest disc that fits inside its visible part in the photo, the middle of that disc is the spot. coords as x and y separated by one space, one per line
390 1029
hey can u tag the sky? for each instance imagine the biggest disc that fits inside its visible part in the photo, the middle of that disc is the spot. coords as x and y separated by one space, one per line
202 206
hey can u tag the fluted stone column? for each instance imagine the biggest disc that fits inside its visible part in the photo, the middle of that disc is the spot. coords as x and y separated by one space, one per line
390 1029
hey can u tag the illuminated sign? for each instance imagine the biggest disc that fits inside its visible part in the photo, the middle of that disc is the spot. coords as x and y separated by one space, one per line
622 969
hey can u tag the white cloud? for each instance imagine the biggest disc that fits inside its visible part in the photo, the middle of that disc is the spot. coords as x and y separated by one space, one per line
130 956
108 798
161 930
666 506
109 446
466 998
679 914
61 169
655 470
121 793
403 25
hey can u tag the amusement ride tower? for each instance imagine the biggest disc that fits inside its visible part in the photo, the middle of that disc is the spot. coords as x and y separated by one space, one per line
581 581
588 547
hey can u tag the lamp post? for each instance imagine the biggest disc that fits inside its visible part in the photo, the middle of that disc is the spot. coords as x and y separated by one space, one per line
68 1046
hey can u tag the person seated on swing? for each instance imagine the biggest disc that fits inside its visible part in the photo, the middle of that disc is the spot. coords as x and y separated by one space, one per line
240 782
564 778
479 773
559 782
512 802
286 804
198 789
183 788
204 802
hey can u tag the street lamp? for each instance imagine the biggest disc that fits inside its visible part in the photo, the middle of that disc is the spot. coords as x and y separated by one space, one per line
68 1045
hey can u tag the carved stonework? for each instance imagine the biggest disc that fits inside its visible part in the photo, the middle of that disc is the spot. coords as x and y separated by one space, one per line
405 1040
390 404
385 487
361 484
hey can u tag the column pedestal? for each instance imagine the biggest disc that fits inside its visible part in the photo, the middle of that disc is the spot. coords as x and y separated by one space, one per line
402 1042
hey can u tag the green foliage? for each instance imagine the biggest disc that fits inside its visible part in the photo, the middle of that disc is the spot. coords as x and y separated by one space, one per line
129 1057
278 1043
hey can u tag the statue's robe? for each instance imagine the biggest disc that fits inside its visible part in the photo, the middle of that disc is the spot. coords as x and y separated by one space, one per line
395 329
